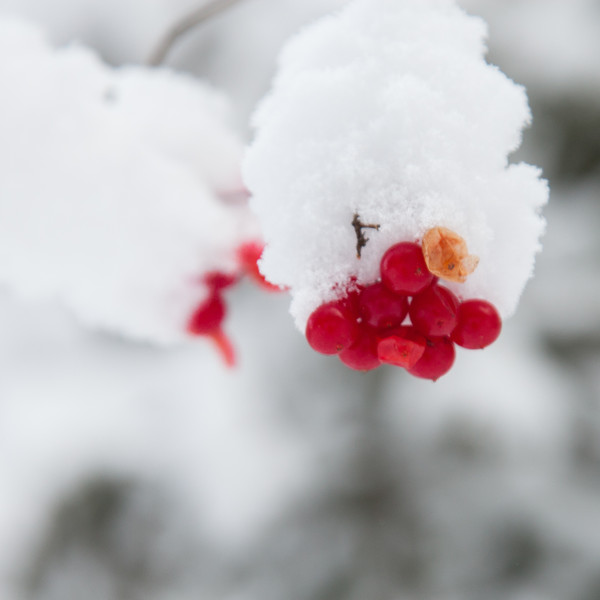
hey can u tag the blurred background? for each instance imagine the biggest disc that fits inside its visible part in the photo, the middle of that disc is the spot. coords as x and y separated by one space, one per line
132 471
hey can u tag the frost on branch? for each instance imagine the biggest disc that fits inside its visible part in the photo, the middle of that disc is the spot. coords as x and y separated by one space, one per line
388 110
116 188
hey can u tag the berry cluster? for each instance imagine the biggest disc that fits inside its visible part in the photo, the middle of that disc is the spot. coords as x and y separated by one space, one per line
207 319
369 326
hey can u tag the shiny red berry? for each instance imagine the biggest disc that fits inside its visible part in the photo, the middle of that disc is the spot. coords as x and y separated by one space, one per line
380 308
362 355
208 316
433 311
437 359
402 347
332 327
403 269
479 324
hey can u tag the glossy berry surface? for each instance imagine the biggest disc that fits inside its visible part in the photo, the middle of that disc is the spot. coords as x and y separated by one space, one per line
406 318
437 359
402 347
362 355
403 269
434 311
479 324
380 308
332 327
207 318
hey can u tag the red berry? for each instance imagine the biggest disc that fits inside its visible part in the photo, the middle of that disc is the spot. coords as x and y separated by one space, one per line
216 280
350 300
332 327
479 324
437 359
402 347
206 320
362 355
380 308
208 317
433 311
248 256
403 269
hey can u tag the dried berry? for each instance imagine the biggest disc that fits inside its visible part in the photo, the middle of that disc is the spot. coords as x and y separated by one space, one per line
446 255
402 347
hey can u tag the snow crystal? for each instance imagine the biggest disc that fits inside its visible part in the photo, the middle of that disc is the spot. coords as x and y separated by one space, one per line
389 110
111 185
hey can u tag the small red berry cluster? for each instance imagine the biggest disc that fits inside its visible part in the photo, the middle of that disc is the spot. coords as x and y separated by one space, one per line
207 319
365 328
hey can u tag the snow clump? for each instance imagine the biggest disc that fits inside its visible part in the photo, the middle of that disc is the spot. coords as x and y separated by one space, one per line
111 196
388 110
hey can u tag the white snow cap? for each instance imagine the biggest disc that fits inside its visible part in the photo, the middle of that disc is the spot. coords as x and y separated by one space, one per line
110 188
389 110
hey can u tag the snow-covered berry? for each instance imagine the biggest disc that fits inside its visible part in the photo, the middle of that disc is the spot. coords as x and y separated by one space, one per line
248 256
366 326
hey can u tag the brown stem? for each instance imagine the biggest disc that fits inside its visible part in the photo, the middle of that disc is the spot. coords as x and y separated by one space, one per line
195 18
361 239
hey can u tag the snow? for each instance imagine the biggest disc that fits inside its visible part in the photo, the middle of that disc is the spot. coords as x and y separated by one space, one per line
390 111
121 30
569 262
504 417
110 198
168 417
251 34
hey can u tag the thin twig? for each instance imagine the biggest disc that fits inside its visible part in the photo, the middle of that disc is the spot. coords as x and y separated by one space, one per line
361 239
195 18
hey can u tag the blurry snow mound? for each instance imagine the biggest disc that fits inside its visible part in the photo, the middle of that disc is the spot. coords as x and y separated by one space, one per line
503 419
112 185
121 30
389 110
